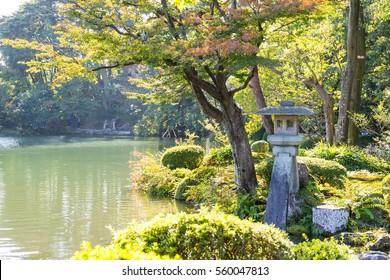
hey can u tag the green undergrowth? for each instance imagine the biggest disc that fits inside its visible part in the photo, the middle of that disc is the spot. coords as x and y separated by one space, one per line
208 235
202 236
364 192
351 157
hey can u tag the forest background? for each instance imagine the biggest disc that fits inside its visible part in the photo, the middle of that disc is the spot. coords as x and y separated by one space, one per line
303 53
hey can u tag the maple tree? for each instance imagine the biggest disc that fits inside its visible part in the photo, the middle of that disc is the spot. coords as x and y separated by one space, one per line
204 42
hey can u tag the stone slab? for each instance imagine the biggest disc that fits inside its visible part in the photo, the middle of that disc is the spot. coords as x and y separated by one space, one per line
329 219
278 192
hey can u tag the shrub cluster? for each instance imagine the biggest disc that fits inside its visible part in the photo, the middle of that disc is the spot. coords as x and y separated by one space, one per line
115 252
328 249
325 171
196 177
148 175
351 157
185 156
207 236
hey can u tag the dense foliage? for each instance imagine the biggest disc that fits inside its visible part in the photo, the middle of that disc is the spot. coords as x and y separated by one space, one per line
351 157
203 236
323 250
325 171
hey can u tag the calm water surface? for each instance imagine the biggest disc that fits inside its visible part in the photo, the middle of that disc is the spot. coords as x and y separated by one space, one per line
56 192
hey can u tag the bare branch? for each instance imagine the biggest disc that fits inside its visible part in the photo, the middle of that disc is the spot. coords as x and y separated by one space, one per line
115 65
246 83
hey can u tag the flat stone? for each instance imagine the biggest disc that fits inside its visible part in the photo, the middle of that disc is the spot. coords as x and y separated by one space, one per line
373 256
329 219
284 140
286 111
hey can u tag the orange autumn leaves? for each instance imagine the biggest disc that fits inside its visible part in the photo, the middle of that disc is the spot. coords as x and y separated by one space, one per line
236 31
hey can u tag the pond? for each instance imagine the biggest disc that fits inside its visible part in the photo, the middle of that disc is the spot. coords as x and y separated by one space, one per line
56 192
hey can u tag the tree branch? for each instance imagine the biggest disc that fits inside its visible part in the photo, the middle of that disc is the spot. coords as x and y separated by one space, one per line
115 65
246 83
206 86
205 105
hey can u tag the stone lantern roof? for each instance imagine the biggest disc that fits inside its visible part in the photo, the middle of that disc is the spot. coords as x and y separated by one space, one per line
286 108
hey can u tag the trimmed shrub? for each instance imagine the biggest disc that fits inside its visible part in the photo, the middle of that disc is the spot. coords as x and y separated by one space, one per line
328 249
260 146
325 171
186 156
351 157
214 236
221 156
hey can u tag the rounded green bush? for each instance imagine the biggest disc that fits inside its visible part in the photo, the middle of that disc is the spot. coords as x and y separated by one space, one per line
328 249
188 156
325 171
214 236
260 146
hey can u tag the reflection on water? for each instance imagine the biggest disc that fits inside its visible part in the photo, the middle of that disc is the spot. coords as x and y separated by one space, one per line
8 142
56 192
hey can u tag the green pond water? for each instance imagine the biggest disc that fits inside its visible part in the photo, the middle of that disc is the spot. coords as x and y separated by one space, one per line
56 192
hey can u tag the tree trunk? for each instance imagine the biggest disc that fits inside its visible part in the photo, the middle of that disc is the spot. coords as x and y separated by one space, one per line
232 121
350 72
356 90
229 114
105 97
327 108
260 100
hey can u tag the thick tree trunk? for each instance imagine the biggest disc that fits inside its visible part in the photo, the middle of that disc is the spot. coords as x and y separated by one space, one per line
260 100
229 114
350 72
238 139
356 90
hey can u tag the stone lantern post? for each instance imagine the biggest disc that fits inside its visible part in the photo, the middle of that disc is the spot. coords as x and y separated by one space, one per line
285 142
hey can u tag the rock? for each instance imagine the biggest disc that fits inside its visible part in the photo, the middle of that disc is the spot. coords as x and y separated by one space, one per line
329 219
303 174
373 256
382 243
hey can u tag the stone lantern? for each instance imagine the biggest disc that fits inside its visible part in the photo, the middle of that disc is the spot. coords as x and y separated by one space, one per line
285 142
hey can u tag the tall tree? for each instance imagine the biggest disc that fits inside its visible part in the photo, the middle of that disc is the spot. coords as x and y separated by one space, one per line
351 88
304 61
